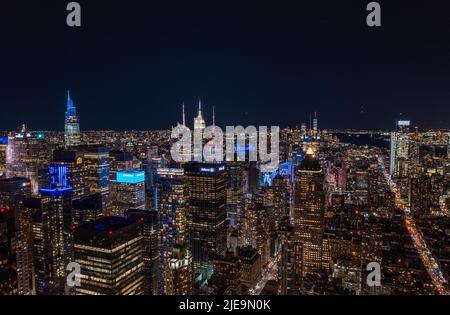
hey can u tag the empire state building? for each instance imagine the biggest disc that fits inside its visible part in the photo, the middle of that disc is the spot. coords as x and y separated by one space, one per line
72 124
199 122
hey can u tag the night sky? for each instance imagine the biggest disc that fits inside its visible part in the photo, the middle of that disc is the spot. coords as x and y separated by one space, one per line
133 63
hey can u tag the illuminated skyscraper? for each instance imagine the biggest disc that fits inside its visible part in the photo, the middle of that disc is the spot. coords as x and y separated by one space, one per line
47 221
179 274
3 149
250 264
400 147
172 207
234 190
68 166
110 253
251 178
29 206
27 153
309 213
42 259
96 160
57 207
199 122
17 251
227 273
281 197
253 227
150 232
119 161
303 129
8 265
72 124
207 215
130 191
288 258
315 124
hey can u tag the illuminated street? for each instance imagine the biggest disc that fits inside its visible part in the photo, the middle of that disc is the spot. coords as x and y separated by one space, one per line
269 273
426 256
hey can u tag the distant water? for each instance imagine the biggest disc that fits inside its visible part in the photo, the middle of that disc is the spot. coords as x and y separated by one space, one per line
361 140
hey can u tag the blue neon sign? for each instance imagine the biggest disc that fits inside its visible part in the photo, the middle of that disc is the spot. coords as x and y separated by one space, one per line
130 177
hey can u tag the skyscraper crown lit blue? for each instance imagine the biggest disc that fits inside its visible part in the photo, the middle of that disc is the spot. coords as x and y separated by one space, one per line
71 109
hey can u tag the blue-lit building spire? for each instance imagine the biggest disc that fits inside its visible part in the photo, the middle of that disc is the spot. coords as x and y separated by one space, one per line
72 124
71 110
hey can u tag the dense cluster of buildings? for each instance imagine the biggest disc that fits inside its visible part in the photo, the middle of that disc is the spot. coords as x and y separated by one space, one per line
137 222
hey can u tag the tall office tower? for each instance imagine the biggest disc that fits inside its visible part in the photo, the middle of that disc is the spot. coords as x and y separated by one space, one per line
251 178
147 165
119 161
289 257
281 198
27 153
285 143
254 228
12 193
227 273
414 153
153 162
309 213
283 186
234 190
110 253
207 215
250 264
199 122
3 149
179 274
303 129
150 230
72 125
130 191
400 147
87 209
57 204
172 197
8 265
42 253
29 206
69 168
96 159
315 124
244 223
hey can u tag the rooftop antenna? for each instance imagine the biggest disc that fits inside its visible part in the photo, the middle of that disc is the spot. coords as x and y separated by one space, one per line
184 116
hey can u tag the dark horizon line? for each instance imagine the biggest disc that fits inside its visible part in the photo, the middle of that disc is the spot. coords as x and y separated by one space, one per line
335 130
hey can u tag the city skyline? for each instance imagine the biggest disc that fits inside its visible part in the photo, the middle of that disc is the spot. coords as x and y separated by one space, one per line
224 152
311 226
190 121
